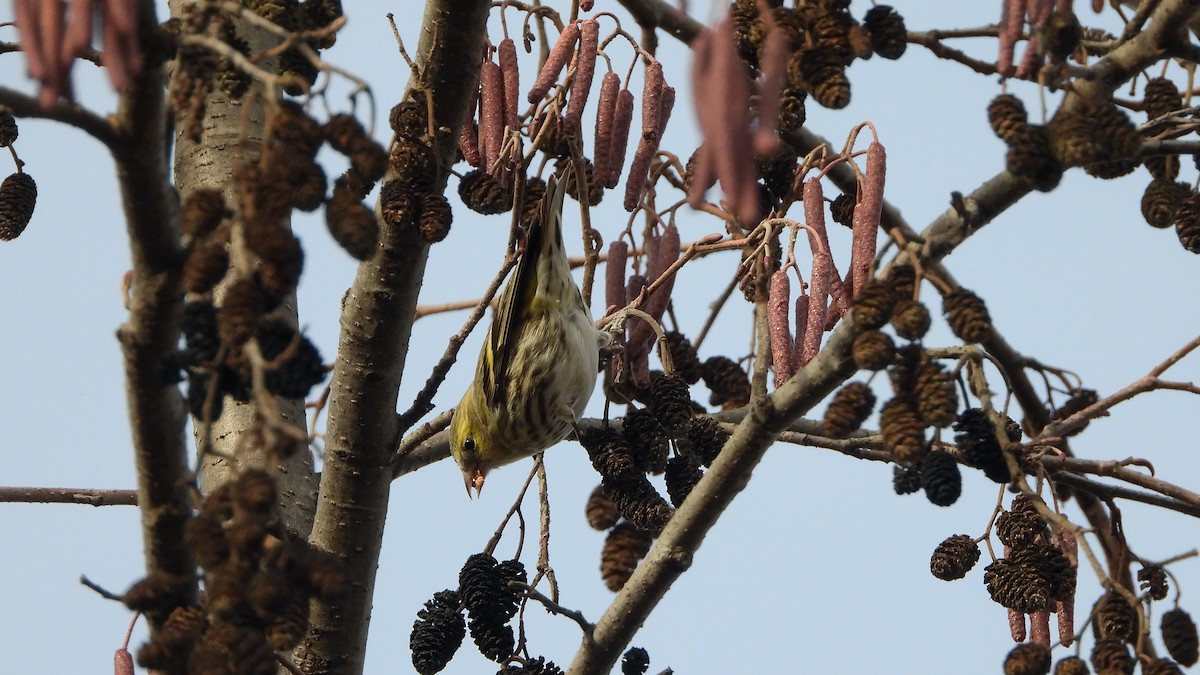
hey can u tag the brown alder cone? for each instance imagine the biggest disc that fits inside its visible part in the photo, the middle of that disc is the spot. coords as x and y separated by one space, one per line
850 407
206 265
18 198
903 432
873 350
624 547
600 510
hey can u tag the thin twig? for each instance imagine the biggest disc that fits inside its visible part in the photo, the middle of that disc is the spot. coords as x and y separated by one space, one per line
552 606
89 496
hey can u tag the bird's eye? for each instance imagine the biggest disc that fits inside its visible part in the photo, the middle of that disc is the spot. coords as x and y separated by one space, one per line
469 445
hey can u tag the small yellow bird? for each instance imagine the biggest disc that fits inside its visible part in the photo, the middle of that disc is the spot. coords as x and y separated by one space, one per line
539 361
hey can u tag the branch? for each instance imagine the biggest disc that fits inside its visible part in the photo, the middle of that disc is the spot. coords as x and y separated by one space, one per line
151 333
1142 385
71 114
89 496
1179 497
376 324
653 14
728 476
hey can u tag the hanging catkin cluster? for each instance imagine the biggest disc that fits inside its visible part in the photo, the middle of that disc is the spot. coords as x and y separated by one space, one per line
1037 574
259 581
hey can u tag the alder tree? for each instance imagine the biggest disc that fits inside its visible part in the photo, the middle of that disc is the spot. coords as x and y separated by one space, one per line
264 461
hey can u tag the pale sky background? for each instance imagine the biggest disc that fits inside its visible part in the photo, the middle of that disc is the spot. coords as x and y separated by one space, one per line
817 566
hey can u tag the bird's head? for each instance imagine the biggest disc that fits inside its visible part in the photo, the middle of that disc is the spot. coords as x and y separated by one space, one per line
470 443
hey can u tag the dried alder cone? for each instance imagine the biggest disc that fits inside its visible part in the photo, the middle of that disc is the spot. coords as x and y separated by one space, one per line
18 197
954 557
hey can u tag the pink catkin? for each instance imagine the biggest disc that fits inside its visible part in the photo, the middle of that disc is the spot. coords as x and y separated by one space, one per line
122 662
664 113
656 108
1039 11
491 119
506 53
635 184
78 36
122 49
468 135
801 329
27 16
559 55
637 351
1039 627
722 92
585 70
1030 59
830 282
622 121
54 81
866 217
778 304
614 274
121 15
606 109
1016 625
1065 609
776 48
652 90
663 252
1010 29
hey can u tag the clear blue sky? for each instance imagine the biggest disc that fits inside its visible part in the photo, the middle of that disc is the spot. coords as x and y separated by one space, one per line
817 567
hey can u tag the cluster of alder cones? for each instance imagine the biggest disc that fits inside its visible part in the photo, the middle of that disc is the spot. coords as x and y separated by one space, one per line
259 581
490 593
1036 577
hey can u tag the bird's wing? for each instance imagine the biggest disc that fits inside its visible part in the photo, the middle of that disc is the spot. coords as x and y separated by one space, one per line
518 296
